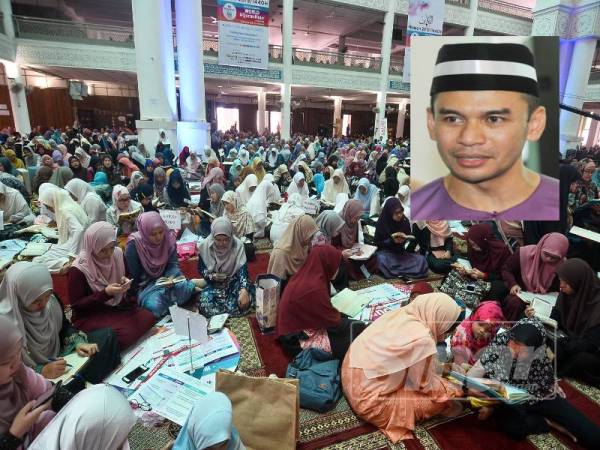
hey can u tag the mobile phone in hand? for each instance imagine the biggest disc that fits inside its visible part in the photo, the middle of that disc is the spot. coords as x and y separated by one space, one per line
46 395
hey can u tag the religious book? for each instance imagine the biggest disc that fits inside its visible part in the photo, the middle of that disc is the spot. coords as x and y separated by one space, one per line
465 263
35 249
491 389
362 252
402 235
170 281
129 216
586 234
74 364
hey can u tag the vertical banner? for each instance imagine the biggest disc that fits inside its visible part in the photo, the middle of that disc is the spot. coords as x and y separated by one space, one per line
244 33
425 18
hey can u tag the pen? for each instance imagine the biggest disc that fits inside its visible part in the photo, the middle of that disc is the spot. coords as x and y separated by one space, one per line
55 359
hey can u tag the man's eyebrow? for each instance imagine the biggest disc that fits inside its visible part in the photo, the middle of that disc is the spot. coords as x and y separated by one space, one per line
502 111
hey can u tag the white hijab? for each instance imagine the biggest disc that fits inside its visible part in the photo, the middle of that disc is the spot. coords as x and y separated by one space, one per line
332 189
86 196
64 207
99 417
13 203
265 193
294 189
243 190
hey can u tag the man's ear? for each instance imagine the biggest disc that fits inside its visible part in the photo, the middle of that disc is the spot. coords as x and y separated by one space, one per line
431 124
536 124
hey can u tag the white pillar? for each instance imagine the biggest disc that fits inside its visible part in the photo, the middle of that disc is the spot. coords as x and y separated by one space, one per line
18 99
401 117
262 110
286 88
7 19
153 37
386 50
192 130
472 17
337 117
592 133
575 89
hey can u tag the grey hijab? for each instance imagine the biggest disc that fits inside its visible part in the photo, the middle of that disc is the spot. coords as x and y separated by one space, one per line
330 223
23 283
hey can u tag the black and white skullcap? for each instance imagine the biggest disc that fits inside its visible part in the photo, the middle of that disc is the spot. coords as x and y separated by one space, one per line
485 67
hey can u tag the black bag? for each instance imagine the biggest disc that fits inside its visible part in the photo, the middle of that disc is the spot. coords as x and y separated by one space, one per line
470 291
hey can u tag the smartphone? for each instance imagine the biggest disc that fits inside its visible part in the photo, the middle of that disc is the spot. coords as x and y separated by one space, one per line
126 283
134 374
46 395
470 288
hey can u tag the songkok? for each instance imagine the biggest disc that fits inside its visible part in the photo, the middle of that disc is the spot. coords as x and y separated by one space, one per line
484 67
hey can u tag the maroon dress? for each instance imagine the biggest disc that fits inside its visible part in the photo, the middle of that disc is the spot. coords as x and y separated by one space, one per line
90 311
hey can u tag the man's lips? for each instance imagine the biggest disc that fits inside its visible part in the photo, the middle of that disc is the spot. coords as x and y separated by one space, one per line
471 160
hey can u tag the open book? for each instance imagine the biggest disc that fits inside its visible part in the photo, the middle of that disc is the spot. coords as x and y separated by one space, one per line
586 234
129 216
362 252
542 303
50 233
489 388
35 249
402 235
74 364
164 281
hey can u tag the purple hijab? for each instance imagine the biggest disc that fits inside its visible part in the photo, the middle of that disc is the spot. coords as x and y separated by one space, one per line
153 257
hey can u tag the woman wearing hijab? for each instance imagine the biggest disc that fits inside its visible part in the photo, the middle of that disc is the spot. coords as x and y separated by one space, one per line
335 185
101 186
145 196
487 254
84 158
247 188
14 206
98 288
569 175
236 212
435 240
42 176
87 198
244 156
577 313
391 230
391 374
351 235
330 225
149 171
305 316
183 156
368 195
30 158
136 179
71 222
259 170
209 426
113 175
265 194
215 175
298 186
76 169
193 167
476 332
151 254
12 157
586 189
532 268
518 358
282 177
118 214
7 167
26 298
289 211
222 263
291 250
235 170
61 176
177 194
160 184
216 192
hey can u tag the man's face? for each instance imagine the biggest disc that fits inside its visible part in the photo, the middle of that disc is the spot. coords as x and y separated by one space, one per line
480 134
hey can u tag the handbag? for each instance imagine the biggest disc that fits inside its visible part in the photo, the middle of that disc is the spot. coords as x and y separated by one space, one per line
318 373
268 291
265 410
470 291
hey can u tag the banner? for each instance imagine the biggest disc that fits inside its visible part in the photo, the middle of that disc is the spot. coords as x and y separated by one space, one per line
425 18
244 33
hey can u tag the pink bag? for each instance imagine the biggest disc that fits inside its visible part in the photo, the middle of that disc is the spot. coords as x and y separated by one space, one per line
186 251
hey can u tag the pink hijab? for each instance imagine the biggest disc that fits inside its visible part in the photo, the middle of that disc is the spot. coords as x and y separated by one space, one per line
537 274
13 395
153 257
352 211
100 274
215 176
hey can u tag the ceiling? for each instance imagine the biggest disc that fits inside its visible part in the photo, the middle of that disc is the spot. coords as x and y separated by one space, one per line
105 76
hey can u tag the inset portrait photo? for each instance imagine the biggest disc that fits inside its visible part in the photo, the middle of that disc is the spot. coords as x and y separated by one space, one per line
484 128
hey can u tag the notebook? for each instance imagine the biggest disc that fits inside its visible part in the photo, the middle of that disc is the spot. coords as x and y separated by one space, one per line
76 363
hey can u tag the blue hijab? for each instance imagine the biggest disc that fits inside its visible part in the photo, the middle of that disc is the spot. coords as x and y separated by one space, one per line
100 178
365 199
319 182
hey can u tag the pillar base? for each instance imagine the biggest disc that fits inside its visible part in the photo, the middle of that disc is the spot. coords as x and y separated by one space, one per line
569 141
148 130
196 135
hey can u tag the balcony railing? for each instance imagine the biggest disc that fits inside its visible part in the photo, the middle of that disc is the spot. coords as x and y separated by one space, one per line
463 3
62 30
302 56
505 8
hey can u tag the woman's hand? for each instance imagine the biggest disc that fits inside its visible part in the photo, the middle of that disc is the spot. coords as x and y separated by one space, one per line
347 253
529 312
114 289
244 299
485 413
86 349
26 418
477 274
515 289
54 369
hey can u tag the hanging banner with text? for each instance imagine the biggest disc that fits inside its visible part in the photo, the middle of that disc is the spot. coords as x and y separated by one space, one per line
244 33
425 18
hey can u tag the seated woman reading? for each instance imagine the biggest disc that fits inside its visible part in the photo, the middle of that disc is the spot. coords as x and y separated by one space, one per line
98 288
151 254
305 316
391 374
222 263
518 357
391 231
27 299
87 198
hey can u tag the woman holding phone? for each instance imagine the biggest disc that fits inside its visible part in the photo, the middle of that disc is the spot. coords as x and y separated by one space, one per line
99 289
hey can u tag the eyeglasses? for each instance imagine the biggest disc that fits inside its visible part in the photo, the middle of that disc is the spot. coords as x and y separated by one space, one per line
143 406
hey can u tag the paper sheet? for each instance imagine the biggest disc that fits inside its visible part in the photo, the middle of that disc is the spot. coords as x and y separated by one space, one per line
219 346
171 394
189 324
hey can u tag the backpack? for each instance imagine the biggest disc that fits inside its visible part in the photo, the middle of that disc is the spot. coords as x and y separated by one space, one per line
320 385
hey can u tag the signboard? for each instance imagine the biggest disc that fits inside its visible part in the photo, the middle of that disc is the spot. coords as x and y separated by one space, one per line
381 133
425 18
311 206
244 33
172 218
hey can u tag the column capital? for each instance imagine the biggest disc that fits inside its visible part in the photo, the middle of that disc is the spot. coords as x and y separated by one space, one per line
568 19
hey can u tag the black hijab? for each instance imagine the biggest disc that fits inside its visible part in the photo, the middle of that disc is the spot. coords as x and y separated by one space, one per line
386 225
177 196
